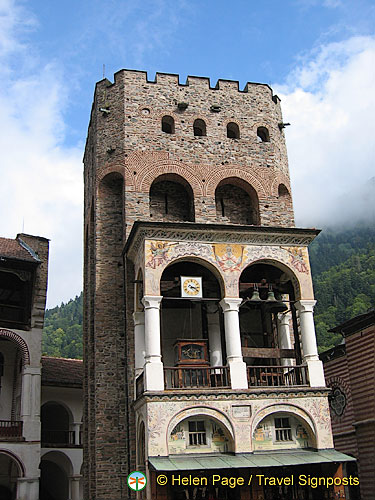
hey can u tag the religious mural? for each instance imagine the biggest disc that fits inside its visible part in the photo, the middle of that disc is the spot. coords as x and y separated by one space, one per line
230 259
280 432
198 436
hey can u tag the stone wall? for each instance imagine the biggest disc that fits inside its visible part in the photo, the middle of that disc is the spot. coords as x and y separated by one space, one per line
126 150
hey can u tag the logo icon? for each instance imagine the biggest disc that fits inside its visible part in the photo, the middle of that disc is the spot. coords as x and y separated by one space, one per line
137 481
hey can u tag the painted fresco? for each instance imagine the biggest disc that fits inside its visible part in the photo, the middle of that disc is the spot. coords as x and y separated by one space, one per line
265 434
229 259
215 436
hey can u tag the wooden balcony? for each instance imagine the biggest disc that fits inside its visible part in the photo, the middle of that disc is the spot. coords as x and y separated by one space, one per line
277 376
195 377
10 429
59 439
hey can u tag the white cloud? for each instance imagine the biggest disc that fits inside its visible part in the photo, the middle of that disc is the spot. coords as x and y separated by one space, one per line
41 181
330 102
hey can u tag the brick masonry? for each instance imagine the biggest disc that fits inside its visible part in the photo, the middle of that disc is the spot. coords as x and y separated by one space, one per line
126 152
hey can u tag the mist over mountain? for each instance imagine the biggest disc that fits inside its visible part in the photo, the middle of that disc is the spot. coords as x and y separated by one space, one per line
342 211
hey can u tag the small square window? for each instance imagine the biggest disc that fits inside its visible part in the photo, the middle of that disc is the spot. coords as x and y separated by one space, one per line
197 433
283 429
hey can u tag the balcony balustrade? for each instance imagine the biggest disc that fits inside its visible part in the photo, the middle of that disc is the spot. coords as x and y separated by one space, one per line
10 429
195 377
277 376
218 377
59 439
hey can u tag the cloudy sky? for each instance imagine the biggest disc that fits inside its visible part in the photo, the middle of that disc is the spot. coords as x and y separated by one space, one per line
318 55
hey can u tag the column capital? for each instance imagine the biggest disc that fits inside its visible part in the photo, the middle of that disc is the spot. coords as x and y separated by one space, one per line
31 370
139 318
305 305
284 317
152 301
230 304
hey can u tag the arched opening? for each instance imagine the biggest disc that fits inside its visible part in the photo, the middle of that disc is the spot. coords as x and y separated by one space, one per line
10 471
269 329
141 449
55 421
167 124
199 128
283 191
171 199
263 134
191 327
236 202
11 369
55 470
233 130
283 430
200 434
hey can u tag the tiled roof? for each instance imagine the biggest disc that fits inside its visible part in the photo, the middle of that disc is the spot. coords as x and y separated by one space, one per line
62 372
13 249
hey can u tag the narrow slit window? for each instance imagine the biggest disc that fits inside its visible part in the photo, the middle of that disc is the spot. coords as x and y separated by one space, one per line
263 134
199 128
167 124
233 131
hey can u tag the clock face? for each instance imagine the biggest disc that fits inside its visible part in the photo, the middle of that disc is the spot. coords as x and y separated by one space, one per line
191 287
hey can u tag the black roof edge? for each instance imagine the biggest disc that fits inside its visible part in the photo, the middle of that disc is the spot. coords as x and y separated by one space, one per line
355 324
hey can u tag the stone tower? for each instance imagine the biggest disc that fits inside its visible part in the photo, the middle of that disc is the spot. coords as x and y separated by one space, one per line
198 327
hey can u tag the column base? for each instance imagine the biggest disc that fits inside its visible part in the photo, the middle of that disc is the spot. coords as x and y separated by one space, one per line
316 373
154 376
238 375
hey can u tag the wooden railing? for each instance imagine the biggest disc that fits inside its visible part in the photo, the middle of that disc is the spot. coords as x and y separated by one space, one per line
194 377
58 438
10 428
277 376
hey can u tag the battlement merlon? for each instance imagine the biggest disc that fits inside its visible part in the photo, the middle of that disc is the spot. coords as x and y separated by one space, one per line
133 76
133 84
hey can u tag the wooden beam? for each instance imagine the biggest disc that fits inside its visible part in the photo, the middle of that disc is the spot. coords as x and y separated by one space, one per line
267 352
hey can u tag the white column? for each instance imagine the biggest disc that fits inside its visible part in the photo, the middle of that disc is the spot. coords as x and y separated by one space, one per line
139 341
153 370
308 338
284 335
26 394
74 487
214 335
27 488
30 403
77 430
237 366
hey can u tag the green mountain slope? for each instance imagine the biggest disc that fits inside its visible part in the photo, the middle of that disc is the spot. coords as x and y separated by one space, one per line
62 334
343 266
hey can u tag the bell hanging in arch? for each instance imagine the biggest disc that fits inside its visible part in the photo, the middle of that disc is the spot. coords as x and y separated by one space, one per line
255 295
272 304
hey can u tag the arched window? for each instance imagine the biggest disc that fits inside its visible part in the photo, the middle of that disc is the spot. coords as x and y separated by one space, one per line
167 124
283 191
171 199
233 131
199 128
236 202
263 134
